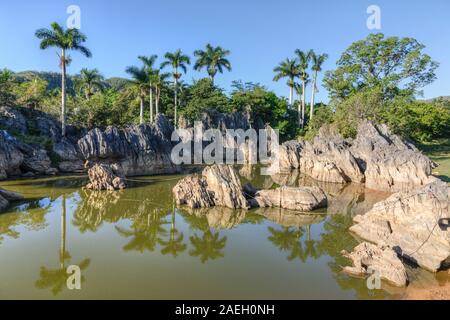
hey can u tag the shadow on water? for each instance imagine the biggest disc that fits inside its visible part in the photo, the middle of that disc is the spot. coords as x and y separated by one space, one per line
144 220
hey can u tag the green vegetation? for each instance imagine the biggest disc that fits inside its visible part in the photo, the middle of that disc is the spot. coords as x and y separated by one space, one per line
439 152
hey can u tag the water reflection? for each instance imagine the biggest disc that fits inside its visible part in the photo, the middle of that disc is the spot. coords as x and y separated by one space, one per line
144 220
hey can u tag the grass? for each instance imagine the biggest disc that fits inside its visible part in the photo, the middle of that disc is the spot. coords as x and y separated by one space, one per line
439 152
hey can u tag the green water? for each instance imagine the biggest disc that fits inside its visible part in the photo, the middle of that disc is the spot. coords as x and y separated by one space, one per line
135 244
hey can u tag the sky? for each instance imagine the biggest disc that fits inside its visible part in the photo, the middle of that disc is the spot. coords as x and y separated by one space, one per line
259 33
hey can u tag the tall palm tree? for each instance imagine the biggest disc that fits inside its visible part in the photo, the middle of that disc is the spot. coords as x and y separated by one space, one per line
65 40
213 59
140 78
287 69
149 63
179 62
158 80
303 64
317 62
91 80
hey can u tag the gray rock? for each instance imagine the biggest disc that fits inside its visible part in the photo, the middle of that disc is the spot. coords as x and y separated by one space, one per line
105 177
414 223
382 260
6 197
12 118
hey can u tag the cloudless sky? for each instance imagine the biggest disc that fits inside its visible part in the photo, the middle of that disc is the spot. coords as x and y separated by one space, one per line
259 33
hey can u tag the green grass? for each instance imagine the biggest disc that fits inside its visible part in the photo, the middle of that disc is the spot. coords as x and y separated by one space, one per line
439 152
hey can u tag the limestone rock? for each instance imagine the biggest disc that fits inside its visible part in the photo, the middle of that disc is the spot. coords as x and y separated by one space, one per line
105 177
10 156
13 118
193 192
6 197
414 223
299 199
388 162
383 260
140 150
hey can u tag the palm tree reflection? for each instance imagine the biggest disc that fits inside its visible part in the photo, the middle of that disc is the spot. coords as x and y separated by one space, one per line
208 247
175 243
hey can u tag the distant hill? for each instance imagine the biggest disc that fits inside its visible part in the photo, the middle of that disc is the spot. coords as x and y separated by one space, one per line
445 98
54 79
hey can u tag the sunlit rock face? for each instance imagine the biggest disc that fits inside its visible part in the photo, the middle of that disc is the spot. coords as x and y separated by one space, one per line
415 224
140 150
376 157
106 177
382 259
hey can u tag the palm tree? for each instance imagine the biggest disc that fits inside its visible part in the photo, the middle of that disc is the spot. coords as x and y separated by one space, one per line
178 61
158 80
317 62
148 65
140 78
303 64
287 69
213 59
91 80
65 40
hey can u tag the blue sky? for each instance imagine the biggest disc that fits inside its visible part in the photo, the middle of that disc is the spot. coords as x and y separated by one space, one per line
259 33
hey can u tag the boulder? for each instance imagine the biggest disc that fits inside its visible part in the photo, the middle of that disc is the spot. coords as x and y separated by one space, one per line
382 260
13 118
139 150
10 156
415 224
218 186
299 199
6 197
105 177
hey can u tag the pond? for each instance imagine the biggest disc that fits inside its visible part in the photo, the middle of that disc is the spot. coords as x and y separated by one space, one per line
135 244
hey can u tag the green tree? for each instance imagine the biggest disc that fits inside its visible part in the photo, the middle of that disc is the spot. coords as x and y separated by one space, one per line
149 63
393 64
65 40
32 93
90 82
287 69
159 79
317 62
303 65
7 96
141 81
179 62
213 59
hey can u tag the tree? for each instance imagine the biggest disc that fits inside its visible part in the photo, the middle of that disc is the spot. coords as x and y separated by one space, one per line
397 65
6 87
65 40
158 80
179 62
90 81
149 63
32 93
213 59
141 80
287 69
303 64
317 62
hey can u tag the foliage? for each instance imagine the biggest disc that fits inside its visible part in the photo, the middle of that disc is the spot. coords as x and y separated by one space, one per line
393 64
7 96
213 59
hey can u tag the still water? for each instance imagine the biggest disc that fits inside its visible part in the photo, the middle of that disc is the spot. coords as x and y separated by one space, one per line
135 244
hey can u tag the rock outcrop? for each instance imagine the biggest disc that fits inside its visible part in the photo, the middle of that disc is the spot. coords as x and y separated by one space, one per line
106 177
218 186
6 197
377 157
139 150
293 198
382 260
416 224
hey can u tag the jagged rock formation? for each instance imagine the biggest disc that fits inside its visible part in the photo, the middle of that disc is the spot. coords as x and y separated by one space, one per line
382 260
106 177
139 150
6 197
415 224
218 186
377 157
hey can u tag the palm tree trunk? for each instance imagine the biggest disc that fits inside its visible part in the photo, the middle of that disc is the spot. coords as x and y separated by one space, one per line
291 95
157 99
303 103
176 100
313 95
151 104
63 93
141 112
